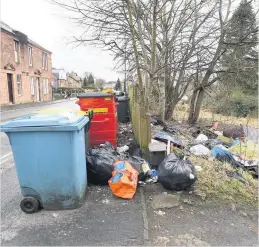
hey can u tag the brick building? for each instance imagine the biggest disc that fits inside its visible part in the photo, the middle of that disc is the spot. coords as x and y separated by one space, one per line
26 69
73 80
68 80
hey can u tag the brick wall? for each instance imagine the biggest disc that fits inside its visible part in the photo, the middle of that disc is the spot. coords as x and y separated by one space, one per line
8 65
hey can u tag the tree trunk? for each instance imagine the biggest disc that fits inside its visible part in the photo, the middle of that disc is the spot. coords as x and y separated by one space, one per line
195 105
162 99
169 111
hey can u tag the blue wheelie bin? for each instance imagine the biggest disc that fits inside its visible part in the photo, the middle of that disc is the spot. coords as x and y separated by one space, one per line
49 154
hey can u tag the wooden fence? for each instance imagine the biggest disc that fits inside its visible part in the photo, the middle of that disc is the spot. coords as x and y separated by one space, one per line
140 120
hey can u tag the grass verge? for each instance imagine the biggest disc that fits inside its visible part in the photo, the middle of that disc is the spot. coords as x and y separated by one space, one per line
215 182
181 113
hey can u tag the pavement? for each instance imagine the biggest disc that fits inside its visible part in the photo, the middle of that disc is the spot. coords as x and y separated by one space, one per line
14 107
8 113
148 219
189 221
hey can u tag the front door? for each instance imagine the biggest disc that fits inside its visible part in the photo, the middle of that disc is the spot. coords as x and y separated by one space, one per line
10 87
38 89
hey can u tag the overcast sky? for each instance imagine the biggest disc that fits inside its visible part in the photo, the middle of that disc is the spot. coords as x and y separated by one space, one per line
45 24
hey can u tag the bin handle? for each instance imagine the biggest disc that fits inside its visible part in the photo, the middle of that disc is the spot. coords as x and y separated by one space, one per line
106 120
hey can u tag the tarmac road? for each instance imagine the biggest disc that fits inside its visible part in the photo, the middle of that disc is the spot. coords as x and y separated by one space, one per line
102 220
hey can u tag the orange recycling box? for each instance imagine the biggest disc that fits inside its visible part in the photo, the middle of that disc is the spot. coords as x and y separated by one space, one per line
104 124
124 181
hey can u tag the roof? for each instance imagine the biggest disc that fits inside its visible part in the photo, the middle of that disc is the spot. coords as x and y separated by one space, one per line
75 77
7 28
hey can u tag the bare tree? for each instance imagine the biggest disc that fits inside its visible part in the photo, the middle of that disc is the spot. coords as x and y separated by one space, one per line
206 81
171 46
99 82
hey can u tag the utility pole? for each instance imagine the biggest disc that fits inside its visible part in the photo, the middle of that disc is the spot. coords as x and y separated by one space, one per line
125 63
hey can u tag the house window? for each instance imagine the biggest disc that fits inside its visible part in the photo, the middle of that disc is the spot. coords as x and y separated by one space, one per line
44 60
19 84
32 86
30 55
45 86
16 51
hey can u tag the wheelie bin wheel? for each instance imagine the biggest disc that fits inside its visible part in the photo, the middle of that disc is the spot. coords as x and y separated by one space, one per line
30 205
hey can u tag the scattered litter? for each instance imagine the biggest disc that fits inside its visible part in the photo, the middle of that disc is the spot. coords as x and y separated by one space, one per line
222 154
122 149
211 143
198 169
165 137
181 208
141 166
156 121
174 173
246 149
172 130
201 137
168 147
243 213
210 134
159 212
55 215
154 141
188 201
200 150
201 194
219 133
105 201
233 207
157 153
99 163
124 180
153 121
234 132
215 125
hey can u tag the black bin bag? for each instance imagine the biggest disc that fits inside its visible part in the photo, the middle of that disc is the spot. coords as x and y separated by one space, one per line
99 163
176 173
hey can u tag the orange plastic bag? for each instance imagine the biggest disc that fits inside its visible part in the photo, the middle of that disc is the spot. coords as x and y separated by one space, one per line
124 180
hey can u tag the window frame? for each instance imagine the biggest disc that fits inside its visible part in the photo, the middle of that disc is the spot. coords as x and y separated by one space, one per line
47 85
16 51
30 56
32 85
19 84
44 61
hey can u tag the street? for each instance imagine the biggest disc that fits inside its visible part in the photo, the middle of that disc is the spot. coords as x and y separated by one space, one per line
107 220
78 227
102 220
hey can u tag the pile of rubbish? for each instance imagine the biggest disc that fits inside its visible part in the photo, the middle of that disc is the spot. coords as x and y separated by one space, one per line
124 168
230 145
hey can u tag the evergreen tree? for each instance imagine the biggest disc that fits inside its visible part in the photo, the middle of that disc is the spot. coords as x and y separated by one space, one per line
85 82
90 80
118 85
240 59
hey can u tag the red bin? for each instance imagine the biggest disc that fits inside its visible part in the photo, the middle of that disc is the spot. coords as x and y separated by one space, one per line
104 124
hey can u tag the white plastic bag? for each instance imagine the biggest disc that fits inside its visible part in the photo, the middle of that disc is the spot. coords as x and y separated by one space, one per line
199 150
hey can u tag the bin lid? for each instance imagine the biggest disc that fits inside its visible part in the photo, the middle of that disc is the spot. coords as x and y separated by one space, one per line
67 120
94 95
122 98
